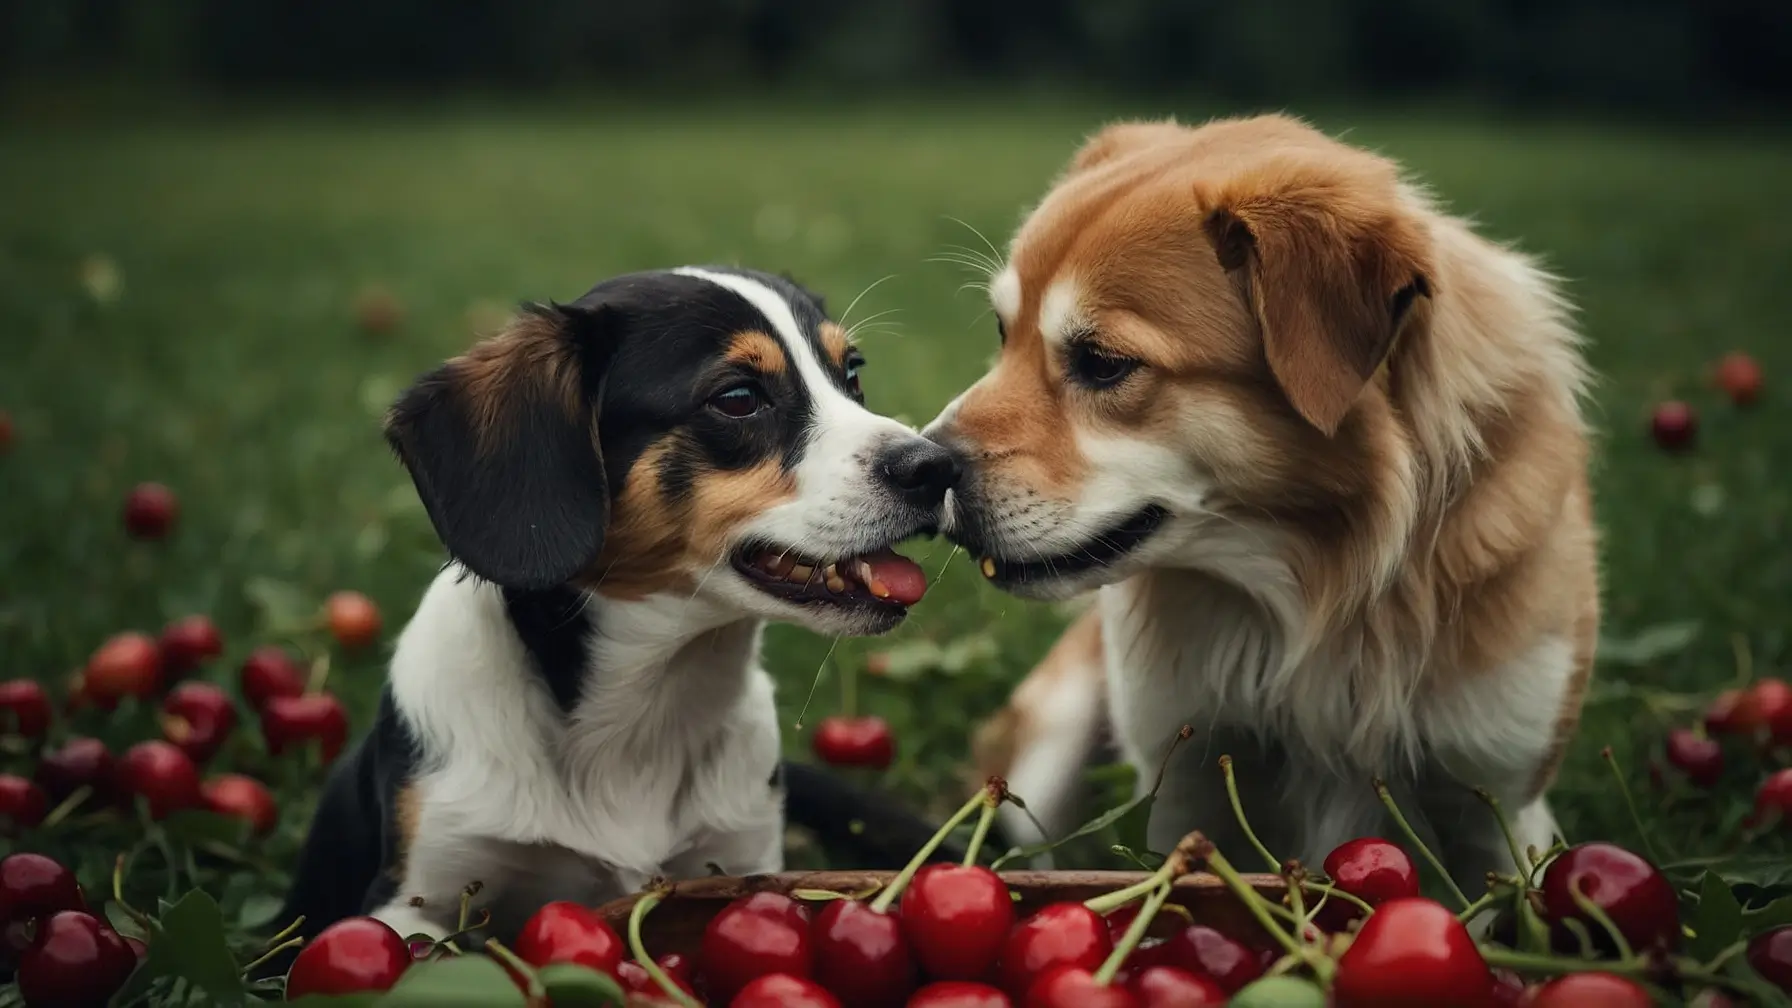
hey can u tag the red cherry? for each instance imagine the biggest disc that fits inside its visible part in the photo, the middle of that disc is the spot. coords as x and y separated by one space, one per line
150 510
32 885
861 954
1508 989
959 994
752 937
1590 990
1770 953
243 797
162 775
1201 950
287 722
636 980
74 960
1774 799
378 310
81 762
855 742
1170 987
956 919
1058 934
1699 758
1768 706
354 619
1075 987
5 432
270 672
1721 716
781 990
24 708
190 642
1371 869
22 804
1674 425
129 664
1739 376
138 947
198 717
1636 896
565 932
1412 951
353 954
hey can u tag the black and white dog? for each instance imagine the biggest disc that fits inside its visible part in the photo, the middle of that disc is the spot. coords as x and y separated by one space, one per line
629 486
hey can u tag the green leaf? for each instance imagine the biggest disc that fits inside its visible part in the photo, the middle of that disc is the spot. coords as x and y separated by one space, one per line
572 986
1652 644
190 944
193 827
1763 871
1718 921
468 981
123 923
258 911
279 603
364 1000
1766 918
1142 804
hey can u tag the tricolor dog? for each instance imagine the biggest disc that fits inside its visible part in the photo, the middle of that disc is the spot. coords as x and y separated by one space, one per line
1317 447
628 486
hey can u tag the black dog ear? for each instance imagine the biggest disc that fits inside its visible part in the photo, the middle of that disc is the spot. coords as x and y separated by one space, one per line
502 443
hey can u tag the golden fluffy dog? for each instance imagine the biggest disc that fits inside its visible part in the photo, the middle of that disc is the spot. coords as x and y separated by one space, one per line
1319 447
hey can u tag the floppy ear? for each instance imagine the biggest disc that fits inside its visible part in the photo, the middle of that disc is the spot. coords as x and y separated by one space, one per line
1330 284
1122 138
502 444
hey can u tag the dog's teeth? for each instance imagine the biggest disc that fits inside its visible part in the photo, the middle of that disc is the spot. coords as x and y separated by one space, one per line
835 582
799 572
862 571
777 566
989 567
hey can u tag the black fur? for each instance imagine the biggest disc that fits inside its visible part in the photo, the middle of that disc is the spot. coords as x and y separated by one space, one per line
555 627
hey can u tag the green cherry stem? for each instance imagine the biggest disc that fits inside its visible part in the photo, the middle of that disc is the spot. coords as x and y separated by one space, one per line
1135 932
1519 861
1598 913
636 915
1173 867
984 819
142 919
67 805
1479 906
991 792
1292 876
249 970
1412 837
288 931
1258 906
1335 893
1238 813
536 994
1630 804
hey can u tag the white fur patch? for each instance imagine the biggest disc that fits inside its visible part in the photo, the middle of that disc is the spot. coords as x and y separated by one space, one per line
1059 310
1004 294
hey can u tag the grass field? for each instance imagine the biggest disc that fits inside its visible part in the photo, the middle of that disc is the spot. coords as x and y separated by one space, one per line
227 364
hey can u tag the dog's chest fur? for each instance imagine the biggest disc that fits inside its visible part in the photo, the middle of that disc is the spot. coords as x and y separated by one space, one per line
607 732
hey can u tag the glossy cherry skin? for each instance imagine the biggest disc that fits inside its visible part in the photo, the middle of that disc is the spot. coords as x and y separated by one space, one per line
1412 951
1701 759
1773 801
198 718
1058 934
959 994
190 642
24 708
1171 987
354 619
1201 950
781 990
289 722
1767 707
1770 954
32 885
1075 987
1637 897
565 932
162 775
1674 425
956 919
150 510
1590 990
752 937
267 673
862 955
75 960
353 954
855 742
243 797
22 804
1739 376
636 980
1723 717
1371 869
81 762
127 664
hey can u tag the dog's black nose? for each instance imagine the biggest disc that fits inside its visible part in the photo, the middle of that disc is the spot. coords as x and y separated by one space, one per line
921 472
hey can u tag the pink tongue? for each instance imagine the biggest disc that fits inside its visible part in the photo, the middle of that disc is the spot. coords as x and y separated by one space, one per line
899 575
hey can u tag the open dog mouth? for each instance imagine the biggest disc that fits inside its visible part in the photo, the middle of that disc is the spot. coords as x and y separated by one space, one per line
882 578
1099 551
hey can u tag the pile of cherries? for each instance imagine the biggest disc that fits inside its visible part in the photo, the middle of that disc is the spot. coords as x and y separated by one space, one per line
60 953
1756 721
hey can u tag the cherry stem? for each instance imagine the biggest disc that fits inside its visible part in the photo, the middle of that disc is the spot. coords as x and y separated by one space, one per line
1630 804
66 806
288 931
1412 837
466 904
1476 908
451 942
533 990
1593 910
991 792
1135 932
849 688
1173 867
815 682
1745 662
1519 862
1335 892
320 671
142 919
984 820
271 953
1297 904
648 901
1238 813
1258 906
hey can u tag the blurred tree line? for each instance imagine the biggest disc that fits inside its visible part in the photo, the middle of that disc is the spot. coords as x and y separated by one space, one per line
1680 55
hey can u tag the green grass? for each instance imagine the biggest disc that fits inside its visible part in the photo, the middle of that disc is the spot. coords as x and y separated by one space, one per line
229 366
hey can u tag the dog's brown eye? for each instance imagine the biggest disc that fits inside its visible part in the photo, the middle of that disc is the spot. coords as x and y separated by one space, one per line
1095 369
739 402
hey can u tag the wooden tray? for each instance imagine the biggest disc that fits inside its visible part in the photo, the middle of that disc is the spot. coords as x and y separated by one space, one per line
677 923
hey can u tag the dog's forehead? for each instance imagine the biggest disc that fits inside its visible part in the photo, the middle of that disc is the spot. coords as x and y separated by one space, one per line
697 311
